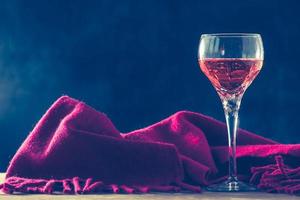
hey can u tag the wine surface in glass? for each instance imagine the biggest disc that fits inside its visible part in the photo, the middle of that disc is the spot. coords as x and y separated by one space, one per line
231 76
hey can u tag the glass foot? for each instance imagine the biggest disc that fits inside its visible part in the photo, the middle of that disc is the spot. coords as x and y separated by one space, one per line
231 186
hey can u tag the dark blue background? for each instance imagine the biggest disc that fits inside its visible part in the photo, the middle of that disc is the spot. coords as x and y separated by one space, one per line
136 60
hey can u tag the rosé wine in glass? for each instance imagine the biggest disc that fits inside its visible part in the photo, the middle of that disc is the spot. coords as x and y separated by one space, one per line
230 75
231 61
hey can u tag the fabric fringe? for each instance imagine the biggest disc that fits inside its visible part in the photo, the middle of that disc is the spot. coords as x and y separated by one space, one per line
277 178
76 185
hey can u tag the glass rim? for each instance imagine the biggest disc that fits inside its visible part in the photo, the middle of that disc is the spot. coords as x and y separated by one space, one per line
230 35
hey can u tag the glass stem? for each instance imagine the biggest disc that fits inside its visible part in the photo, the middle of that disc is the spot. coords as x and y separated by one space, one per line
231 109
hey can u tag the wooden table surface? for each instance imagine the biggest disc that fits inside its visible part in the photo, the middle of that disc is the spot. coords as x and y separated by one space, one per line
155 196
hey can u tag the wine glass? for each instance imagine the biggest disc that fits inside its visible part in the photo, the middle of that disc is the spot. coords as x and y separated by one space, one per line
231 61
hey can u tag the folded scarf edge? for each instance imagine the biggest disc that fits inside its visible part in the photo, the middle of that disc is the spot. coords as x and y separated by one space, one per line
76 185
278 177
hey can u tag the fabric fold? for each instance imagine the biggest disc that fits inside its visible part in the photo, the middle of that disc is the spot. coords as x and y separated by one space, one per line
75 149
277 177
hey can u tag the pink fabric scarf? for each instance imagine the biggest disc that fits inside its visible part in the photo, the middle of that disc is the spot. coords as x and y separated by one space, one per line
75 149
